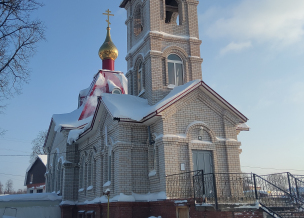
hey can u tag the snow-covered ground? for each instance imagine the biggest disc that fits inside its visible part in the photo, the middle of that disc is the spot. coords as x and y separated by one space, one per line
42 205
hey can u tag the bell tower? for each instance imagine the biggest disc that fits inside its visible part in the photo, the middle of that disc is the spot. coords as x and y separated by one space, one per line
163 46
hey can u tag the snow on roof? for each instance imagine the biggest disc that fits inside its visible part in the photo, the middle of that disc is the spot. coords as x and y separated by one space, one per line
136 108
129 106
31 197
43 158
242 127
84 92
102 82
70 120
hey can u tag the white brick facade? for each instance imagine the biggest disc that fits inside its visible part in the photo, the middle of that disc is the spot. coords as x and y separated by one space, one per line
123 147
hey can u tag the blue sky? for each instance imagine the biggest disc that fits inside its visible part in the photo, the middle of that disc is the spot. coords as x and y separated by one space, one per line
253 57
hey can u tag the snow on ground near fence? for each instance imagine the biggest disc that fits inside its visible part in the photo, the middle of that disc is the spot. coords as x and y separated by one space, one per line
30 205
31 197
122 198
32 212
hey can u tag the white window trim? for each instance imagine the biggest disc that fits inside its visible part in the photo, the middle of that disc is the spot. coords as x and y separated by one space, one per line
171 86
116 89
109 167
142 92
140 72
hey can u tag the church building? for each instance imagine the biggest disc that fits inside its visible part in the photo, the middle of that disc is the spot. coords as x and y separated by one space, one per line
132 130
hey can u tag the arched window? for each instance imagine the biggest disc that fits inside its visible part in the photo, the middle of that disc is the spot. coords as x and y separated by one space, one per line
58 178
171 11
139 78
93 172
81 174
175 70
109 166
90 171
138 27
54 172
116 91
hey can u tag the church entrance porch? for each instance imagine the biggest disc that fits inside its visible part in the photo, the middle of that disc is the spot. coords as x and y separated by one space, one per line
279 195
230 195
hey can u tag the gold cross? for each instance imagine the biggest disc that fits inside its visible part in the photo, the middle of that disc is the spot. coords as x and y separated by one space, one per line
108 14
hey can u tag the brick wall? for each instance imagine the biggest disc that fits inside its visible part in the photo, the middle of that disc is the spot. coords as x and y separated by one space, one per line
165 209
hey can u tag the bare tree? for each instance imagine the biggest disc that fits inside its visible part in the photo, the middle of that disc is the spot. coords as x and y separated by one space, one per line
19 35
1 188
18 39
9 186
37 145
21 191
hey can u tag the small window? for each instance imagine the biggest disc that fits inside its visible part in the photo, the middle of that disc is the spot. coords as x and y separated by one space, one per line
175 70
31 191
182 212
138 27
82 174
171 11
116 91
109 167
139 78
90 214
154 156
92 171
39 190
81 214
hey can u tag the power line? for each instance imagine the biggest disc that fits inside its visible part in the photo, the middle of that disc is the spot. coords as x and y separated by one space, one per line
24 155
14 155
15 140
13 150
272 168
10 174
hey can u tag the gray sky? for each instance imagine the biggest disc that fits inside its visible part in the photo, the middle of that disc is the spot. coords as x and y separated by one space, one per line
253 57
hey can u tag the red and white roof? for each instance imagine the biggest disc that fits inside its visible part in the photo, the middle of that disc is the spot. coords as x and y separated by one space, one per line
104 81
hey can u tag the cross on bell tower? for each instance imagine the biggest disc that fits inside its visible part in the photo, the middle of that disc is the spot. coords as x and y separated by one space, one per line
163 46
108 14
108 51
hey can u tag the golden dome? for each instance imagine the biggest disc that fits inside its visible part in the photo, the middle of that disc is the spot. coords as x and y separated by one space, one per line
108 50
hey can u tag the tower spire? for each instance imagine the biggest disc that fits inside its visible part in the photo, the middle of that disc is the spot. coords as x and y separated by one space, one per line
108 51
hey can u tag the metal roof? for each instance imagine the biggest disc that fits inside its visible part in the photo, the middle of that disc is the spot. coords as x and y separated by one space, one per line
123 3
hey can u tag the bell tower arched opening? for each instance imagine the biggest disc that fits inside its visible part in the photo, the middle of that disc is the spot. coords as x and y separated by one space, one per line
171 11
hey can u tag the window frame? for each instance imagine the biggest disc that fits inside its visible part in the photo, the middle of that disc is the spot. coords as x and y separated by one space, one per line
139 75
82 174
58 182
138 26
116 89
175 17
174 67
109 166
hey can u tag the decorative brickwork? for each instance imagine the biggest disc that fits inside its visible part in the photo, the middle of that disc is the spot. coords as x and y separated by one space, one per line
128 156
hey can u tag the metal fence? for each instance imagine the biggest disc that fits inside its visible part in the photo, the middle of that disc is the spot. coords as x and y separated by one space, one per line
283 191
180 186
288 182
279 194
213 188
